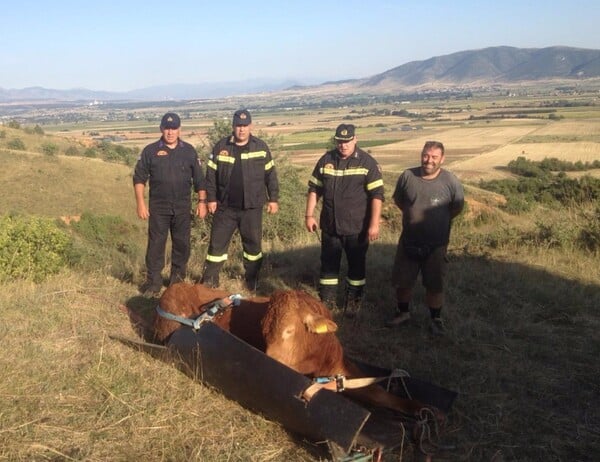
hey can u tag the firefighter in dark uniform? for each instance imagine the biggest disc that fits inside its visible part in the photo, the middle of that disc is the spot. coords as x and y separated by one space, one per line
350 183
171 167
240 179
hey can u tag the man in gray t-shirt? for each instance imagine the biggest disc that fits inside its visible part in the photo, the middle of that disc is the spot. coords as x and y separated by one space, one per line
429 198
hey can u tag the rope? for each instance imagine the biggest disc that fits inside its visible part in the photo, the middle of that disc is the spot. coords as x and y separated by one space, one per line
425 432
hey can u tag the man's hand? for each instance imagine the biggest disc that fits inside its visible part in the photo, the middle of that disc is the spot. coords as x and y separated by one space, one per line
373 232
142 211
311 224
272 207
212 207
201 209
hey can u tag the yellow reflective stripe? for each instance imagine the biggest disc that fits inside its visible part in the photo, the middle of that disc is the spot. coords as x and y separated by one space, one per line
256 257
254 155
211 164
227 159
359 283
329 282
316 182
374 184
216 258
269 165
347 172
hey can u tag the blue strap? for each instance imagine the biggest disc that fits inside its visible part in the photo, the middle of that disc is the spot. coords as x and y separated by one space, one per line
207 315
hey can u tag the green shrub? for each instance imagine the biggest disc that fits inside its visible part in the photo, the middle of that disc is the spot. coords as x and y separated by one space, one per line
516 205
72 151
50 149
105 243
589 234
287 226
31 248
16 144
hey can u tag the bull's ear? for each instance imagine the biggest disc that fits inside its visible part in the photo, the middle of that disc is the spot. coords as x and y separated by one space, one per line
320 324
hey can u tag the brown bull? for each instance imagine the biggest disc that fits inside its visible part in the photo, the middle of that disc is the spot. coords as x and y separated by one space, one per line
291 327
190 301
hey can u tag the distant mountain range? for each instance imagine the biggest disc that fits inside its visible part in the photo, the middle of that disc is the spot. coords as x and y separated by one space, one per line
487 66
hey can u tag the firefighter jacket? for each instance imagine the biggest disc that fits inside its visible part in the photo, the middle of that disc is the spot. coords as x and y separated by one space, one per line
258 173
347 187
171 173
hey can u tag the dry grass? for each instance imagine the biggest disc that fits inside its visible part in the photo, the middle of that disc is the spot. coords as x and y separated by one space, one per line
69 392
60 185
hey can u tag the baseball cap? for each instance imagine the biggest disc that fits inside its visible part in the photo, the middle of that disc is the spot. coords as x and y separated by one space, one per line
170 120
344 132
242 117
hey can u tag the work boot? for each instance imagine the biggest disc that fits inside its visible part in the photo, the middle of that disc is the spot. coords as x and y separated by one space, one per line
400 319
328 295
210 275
437 327
175 278
150 289
352 307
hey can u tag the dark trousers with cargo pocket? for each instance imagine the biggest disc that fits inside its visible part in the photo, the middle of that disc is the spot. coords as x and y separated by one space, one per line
225 221
165 219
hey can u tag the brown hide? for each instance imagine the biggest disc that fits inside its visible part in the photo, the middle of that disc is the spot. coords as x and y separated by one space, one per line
289 328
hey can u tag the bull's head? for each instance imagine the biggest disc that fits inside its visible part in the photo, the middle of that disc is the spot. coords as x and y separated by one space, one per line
294 328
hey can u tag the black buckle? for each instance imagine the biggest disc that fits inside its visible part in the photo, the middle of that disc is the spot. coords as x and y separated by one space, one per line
339 383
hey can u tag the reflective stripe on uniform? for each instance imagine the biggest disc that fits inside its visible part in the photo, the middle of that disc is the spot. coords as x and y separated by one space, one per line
374 184
316 182
347 172
227 159
216 258
354 283
254 155
256 257
329 282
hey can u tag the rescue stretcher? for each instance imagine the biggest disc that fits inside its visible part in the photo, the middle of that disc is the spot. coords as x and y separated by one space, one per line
245 374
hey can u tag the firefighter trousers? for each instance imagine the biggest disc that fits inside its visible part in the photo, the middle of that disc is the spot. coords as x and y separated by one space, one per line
225 221
355 247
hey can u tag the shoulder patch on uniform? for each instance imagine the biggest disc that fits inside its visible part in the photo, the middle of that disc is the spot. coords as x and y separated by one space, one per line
224 153
328 165
162 153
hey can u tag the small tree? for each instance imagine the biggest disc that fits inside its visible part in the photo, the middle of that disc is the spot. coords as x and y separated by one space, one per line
50 149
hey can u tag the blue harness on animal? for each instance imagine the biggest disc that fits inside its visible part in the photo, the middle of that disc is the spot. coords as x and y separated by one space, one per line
213 309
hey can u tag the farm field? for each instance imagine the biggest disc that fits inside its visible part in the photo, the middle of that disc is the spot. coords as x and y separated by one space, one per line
481 135
521 306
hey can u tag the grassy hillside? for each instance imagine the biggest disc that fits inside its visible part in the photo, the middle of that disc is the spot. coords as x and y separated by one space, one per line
521 352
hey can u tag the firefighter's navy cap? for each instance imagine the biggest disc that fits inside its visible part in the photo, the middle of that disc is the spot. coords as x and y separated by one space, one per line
242 117
345 132
170 120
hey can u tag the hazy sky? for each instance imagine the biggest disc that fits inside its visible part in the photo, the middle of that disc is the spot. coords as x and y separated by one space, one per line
126 45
